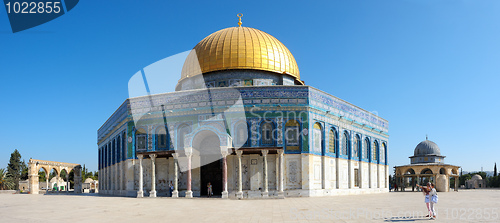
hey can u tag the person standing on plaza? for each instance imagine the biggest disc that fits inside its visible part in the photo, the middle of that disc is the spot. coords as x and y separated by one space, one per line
171 188
425 191
433 200
209 189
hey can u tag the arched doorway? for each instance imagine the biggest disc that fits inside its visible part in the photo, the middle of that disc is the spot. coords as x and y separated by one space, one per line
207 143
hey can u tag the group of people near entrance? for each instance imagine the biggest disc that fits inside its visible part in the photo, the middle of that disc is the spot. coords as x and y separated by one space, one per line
209 189
431 198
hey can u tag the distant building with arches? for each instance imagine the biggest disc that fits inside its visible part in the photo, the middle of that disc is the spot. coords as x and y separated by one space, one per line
247 124
427 165
34 166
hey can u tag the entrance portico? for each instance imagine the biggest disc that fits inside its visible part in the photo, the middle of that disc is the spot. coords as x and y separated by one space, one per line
204 161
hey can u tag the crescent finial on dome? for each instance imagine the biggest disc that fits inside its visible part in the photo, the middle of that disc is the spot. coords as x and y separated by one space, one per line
239 16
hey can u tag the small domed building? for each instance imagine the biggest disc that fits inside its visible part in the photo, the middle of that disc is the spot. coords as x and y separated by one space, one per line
241 119
427 165
475 182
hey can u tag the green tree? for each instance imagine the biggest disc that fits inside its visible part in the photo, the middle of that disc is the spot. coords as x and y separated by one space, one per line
63 174
464 177
42 176
5 182
24 171
14 168
88 174
72 178
494 181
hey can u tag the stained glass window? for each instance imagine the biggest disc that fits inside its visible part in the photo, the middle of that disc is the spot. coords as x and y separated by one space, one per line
241 134
345 144
292 133
161 138
357 146
366 149
317 137
267 130
333 141
374 151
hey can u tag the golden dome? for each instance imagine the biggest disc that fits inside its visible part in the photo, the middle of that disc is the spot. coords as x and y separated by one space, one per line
240 48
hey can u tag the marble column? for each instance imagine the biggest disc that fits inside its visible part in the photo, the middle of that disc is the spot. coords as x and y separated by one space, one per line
224 172
140 192
152 193
265 170
67 182
58 180
418 182
78 180
175 192
46 183
277 168
413 183
189 154
282 169
239 194
456 183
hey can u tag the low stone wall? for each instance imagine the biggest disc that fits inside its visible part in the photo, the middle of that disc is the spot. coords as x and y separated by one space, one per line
8 191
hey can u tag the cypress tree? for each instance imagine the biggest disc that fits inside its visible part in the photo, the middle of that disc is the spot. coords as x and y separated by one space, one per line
495 170
15 168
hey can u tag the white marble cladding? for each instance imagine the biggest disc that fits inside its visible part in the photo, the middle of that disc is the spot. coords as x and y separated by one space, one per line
304 175
327 174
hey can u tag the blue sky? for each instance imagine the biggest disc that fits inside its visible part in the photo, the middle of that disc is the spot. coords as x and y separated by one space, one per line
428 67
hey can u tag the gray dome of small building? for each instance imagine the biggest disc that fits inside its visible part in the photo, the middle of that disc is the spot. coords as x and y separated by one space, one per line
427 152
476 177
427 147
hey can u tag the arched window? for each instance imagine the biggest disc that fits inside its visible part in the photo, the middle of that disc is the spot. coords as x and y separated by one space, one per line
119 149
100 156
345 144
333 136
182 131
375 151
357 147
366 149
161 138
442 171
317 134
383 152
266 129
113 152
241 134
292 135
110 155
124 146
104 156
140 140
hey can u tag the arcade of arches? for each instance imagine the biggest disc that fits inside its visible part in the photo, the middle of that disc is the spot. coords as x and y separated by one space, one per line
439 174
35 165
427 165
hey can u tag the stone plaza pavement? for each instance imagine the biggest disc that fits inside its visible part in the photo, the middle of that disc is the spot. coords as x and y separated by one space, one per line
462 206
